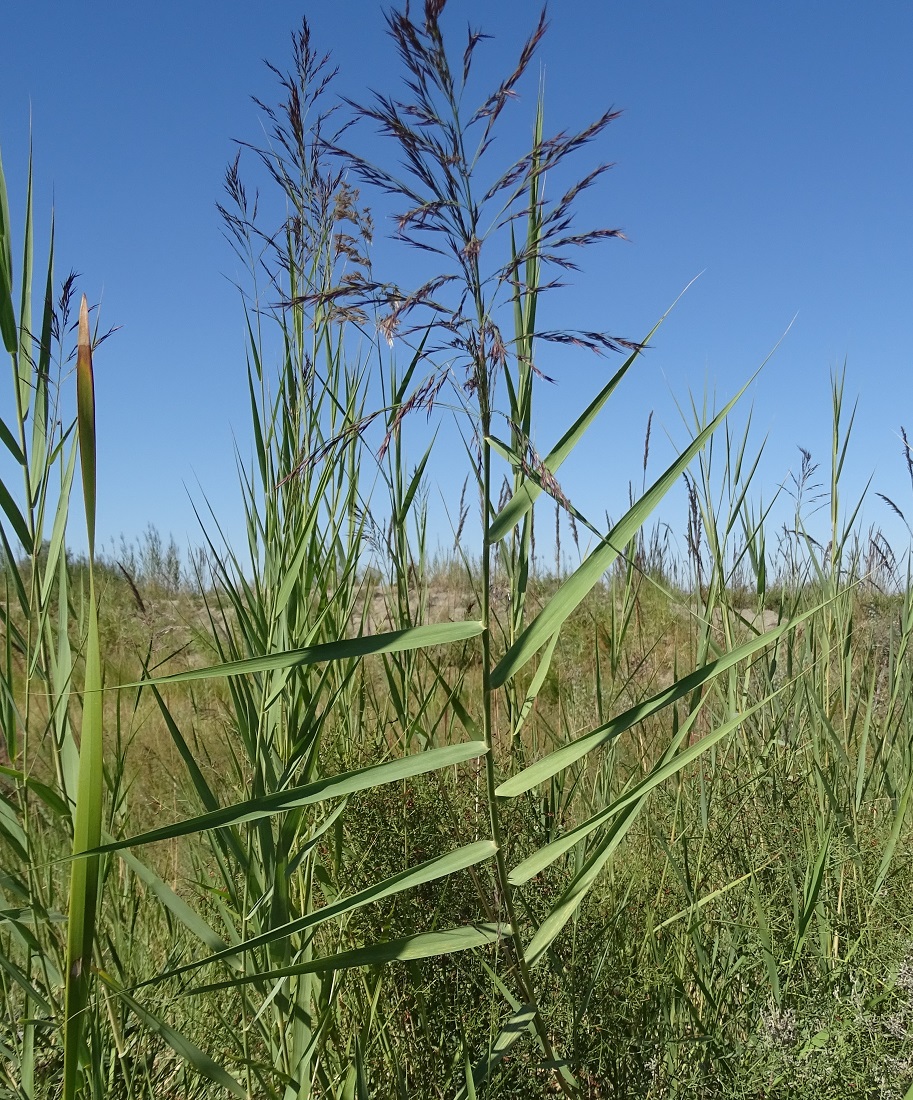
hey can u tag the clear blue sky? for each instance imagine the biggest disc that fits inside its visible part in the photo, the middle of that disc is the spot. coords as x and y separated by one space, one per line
766 145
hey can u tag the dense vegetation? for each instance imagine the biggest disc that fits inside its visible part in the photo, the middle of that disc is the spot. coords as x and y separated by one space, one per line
330 816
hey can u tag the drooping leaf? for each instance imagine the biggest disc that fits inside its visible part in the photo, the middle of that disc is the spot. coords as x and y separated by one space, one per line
182 1046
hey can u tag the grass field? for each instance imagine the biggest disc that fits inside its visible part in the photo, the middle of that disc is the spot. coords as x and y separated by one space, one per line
329 815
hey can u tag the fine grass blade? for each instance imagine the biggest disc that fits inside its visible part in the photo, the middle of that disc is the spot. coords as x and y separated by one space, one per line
704 901
814 882
669 764
47 794
174 903
520 1022
891 846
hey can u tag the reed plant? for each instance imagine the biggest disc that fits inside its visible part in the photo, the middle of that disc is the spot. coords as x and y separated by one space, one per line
601 834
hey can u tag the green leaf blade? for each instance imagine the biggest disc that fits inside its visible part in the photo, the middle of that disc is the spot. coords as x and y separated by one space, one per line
574 590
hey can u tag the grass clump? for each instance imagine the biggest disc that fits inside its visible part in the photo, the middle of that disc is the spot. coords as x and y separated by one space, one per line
370 824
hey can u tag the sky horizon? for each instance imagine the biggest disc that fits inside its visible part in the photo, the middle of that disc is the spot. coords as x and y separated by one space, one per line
763 150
